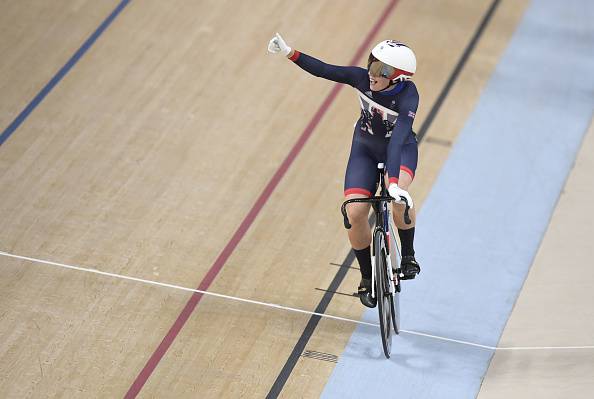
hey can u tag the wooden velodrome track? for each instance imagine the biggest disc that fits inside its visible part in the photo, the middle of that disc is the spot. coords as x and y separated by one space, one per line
159 155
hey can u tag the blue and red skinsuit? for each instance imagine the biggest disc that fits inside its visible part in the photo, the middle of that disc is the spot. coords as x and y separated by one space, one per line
374 140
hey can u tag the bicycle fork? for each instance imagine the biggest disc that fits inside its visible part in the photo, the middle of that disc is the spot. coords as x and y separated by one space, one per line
390 274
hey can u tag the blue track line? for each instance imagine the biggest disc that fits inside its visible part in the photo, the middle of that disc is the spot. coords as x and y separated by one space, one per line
61 73
483 222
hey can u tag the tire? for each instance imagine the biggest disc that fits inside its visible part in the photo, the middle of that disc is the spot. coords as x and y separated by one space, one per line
395 297
384 304
395 304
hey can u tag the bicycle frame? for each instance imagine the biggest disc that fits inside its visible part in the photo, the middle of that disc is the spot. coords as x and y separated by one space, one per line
384 240
383 222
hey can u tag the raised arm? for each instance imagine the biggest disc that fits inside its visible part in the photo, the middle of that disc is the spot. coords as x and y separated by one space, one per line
342 74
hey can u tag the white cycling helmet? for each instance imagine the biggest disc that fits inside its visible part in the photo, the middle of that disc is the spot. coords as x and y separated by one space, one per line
397 61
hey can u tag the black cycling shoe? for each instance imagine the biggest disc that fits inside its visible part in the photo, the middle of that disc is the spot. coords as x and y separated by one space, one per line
365 293
410 267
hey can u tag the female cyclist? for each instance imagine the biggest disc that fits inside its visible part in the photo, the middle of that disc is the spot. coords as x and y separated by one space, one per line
383 133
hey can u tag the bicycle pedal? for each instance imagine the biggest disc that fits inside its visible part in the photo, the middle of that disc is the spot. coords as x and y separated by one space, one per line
408 276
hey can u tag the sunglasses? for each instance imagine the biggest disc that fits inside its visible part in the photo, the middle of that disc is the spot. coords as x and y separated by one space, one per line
378 68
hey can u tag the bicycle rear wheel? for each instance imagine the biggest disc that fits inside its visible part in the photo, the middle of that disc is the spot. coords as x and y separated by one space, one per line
382 292
395 298
395 304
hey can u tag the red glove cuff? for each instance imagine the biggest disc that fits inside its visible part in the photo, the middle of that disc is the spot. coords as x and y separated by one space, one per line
295 55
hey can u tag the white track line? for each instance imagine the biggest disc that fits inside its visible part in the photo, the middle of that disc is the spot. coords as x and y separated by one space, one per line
449 340
493 348
531 348
276 306
177 287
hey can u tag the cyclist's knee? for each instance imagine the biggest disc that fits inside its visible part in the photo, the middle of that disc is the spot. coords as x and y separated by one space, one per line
358 213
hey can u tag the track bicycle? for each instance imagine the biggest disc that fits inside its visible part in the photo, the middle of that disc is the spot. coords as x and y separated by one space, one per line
386 273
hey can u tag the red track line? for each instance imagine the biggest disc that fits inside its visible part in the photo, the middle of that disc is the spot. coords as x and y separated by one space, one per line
156 357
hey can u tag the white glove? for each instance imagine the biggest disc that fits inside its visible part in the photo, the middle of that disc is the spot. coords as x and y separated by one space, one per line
396 192
277 45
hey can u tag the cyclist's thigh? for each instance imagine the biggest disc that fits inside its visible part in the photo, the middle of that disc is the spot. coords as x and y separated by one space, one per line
361 171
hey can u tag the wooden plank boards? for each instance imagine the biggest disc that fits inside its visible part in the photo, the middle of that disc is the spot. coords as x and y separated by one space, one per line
554 309
147 157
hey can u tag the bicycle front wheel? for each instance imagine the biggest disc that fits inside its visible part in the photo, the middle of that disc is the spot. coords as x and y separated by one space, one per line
382 291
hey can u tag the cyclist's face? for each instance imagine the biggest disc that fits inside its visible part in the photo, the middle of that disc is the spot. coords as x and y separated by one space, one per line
378 83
